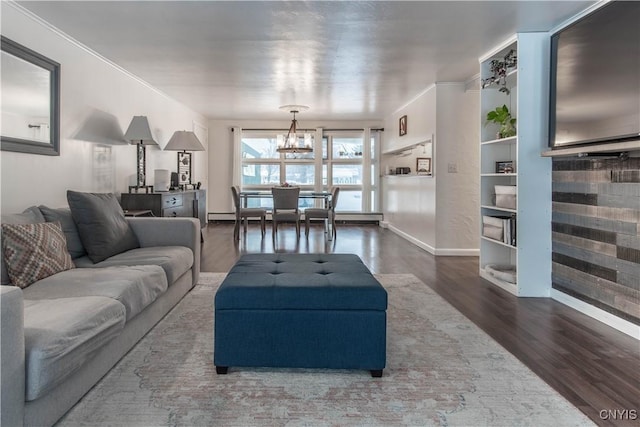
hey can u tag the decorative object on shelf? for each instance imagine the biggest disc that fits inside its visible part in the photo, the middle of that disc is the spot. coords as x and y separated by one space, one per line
423 165
505 166
184 141
502 117
501 228
161 180
291 142
184 169
139 134
499 69
502 272
505 196
402 126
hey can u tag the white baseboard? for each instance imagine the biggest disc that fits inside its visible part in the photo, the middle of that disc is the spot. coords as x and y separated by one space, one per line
412 239
429 248
609 319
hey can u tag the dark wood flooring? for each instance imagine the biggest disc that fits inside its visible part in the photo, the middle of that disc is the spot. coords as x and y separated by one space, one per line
592 365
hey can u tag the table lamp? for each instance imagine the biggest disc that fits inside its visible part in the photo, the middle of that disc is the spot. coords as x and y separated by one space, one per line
139 134
184 141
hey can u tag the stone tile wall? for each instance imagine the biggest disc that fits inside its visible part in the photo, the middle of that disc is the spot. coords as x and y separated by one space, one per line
596 233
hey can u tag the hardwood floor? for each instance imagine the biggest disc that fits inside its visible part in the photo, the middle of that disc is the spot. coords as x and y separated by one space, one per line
592 365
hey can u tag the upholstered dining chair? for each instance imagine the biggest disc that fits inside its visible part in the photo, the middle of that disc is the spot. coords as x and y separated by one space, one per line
328 213
285 207
246 213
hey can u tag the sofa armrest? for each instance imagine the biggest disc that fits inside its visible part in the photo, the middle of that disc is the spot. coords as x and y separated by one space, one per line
12 363
169 232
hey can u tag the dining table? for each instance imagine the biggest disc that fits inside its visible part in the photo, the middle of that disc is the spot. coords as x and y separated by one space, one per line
325 196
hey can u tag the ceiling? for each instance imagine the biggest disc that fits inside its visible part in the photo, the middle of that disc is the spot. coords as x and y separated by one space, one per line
347 60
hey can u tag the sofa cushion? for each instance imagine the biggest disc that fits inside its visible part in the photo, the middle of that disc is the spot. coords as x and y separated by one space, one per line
175 260
30 215
63 215
103 228
134 287
34 251
62 334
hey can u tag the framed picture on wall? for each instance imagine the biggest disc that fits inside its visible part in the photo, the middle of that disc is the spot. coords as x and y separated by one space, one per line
184 168
403 125
423 165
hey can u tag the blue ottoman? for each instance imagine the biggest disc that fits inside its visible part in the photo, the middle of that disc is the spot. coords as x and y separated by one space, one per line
300 311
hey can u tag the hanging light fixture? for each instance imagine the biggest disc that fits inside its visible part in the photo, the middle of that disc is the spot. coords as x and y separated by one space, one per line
293 141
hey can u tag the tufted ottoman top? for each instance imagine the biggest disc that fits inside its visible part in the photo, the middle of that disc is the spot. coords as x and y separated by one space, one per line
300 281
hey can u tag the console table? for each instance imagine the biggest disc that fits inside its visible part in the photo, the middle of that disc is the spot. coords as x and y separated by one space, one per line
186 203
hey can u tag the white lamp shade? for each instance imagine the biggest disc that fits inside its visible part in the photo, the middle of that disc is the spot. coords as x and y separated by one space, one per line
139 131
183 140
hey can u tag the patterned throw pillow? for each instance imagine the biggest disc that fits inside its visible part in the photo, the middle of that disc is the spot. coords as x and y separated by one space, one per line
34 251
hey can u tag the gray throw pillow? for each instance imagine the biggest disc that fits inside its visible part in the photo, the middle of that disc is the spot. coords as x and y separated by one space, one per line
63 216
103 228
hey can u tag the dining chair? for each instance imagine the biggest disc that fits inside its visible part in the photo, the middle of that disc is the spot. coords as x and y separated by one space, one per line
285 207
246 213
328 213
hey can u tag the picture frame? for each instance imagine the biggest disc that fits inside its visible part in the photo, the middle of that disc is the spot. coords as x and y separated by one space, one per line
402 126
505 166
184 168
423 165
25 71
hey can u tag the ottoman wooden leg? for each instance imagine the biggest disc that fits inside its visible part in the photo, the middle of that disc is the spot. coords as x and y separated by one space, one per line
222 370
376 373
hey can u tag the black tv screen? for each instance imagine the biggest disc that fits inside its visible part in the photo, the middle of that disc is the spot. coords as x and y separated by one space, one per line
595 78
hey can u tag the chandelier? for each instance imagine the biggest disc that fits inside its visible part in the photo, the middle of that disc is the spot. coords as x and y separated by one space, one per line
293 141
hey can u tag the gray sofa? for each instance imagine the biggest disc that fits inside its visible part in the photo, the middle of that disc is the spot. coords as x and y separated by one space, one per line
61 334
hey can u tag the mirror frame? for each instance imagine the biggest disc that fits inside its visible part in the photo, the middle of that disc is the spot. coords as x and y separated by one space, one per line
52 148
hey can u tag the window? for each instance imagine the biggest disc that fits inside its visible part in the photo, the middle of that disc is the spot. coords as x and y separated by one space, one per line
347 161
300 174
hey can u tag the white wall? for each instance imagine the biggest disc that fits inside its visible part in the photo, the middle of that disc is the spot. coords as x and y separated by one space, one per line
458 195
421 122
439 214
221 151
409 202
98 101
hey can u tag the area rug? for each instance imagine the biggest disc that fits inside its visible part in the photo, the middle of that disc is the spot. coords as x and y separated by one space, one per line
442 370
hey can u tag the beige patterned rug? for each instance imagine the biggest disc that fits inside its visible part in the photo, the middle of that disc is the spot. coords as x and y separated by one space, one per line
442 370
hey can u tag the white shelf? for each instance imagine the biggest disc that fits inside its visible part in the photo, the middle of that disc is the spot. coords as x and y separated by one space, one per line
400 151
510 140
496 208
499 174
497 242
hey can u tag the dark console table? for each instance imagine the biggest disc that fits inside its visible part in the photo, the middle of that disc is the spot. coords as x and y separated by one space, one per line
187 203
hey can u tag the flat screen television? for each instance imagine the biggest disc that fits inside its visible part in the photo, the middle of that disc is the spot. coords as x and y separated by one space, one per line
595 78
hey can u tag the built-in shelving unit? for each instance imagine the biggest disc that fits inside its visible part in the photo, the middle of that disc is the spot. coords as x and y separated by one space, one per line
405 156
530 173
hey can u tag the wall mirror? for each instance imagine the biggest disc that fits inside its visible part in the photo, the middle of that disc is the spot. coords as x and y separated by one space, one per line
30 87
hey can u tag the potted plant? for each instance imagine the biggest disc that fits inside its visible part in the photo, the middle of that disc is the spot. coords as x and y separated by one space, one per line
502 117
